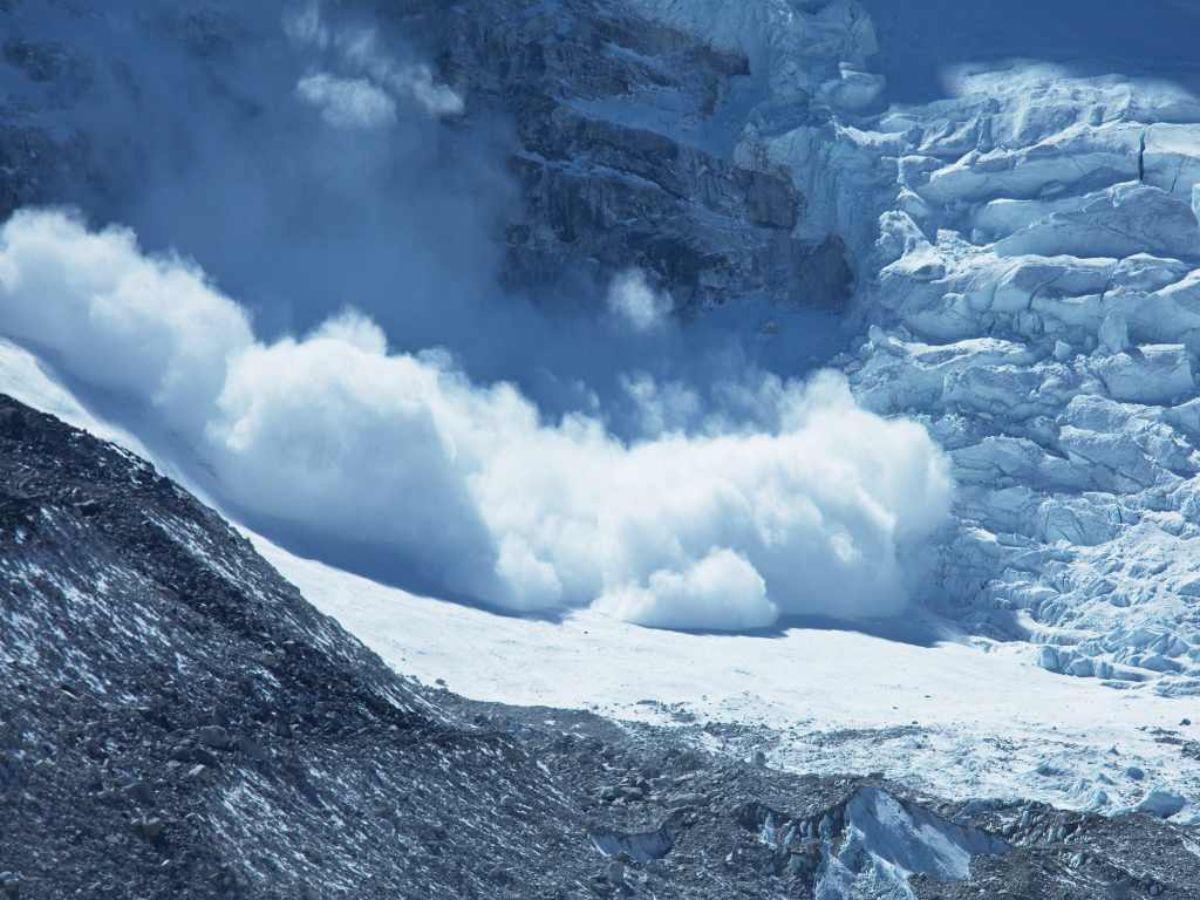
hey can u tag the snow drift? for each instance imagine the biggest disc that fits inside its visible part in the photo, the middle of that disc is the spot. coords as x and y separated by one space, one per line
721 528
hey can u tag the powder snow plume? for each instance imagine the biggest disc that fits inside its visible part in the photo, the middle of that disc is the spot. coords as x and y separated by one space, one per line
723 528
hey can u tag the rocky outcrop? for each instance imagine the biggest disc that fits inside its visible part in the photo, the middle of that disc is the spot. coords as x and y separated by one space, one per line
179 722
622 133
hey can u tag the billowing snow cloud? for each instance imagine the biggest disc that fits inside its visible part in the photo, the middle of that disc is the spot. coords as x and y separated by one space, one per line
366 98
722 591
347 102
438 100
724 529
635 304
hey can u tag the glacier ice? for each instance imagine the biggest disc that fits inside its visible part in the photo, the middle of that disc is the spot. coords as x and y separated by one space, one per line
1028 257
887 841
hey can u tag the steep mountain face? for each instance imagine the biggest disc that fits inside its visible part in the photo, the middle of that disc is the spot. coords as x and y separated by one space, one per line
1026 252
616 130
1022 255
179 722
623 131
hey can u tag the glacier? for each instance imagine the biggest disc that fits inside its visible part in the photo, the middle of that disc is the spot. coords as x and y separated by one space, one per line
1026 251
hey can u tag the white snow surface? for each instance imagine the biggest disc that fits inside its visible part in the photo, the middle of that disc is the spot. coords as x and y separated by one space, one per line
966 719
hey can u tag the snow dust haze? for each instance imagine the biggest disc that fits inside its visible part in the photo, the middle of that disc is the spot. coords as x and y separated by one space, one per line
287 154
373 398
720 529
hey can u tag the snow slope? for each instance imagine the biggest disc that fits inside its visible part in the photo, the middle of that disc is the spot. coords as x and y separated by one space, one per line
964 718
967 719
1028 258
1029 262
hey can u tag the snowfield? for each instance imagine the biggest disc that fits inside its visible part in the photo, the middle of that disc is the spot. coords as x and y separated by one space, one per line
967 719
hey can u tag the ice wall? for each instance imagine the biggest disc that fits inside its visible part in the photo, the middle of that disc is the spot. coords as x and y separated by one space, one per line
1028 251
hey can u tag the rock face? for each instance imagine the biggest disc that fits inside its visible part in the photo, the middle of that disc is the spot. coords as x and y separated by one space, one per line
179 722
623 128
620 160
617 132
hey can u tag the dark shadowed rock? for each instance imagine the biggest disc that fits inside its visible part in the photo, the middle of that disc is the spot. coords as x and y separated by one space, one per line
616 145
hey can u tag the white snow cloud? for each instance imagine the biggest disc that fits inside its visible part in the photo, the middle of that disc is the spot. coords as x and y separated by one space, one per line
438 100
331 432
722 592
120 320
634 303
366 98
347 102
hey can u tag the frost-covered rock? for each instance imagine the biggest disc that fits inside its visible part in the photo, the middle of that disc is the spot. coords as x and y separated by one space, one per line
1161 802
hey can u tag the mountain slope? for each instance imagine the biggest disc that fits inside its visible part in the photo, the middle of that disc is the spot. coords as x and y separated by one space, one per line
1024 248
1024 255
178 722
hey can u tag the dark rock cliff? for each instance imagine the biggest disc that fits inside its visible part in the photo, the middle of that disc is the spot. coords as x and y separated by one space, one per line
620 159
618 134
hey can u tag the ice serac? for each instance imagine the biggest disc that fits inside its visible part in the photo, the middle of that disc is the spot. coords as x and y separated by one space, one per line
1027 251
1036 303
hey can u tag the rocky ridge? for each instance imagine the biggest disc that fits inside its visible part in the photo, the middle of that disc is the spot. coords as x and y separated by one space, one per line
622 132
